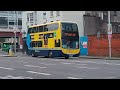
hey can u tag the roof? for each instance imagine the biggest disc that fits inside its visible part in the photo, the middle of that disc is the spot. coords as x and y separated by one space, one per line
52 22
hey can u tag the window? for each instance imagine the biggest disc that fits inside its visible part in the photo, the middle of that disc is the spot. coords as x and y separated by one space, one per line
19 22
19 12
57 13
116 27
31 17
39 43
115 13
40 29
44 15
30 30
53 26
34 30
57 43
45 28
69 27
51 14
28 17
33 44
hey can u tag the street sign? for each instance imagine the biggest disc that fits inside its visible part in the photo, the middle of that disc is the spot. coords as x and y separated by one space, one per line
110 30
109 36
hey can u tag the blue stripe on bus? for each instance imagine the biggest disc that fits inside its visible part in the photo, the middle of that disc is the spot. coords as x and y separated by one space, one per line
28 40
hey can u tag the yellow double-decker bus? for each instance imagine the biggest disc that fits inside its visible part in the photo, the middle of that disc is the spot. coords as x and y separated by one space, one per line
54 39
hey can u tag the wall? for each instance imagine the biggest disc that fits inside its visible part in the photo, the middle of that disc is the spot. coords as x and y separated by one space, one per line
99 47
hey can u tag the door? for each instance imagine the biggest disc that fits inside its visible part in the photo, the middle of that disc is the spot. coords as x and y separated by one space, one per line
84 45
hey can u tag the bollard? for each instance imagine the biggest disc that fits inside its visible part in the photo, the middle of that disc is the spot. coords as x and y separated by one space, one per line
10 52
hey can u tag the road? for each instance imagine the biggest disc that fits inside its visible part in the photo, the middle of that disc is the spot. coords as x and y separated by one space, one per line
26 67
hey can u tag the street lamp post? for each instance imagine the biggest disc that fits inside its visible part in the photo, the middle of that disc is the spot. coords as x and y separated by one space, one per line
109 33
14 40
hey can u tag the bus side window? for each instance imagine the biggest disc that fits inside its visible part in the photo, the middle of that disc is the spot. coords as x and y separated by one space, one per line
39 43
57 43
36 44
29 30
55 26
37 29
45 28
33 44
40 29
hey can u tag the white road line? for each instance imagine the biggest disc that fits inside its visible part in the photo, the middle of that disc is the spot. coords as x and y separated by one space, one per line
47 64
38 73
73 78
7 68
81 64
113 77
65 63
12 77
23 61
34 66
86 67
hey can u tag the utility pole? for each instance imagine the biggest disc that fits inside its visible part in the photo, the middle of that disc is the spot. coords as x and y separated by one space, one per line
109 33
15 39
14 32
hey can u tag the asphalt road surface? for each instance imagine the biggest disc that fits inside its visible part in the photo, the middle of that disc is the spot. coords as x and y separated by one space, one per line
27 67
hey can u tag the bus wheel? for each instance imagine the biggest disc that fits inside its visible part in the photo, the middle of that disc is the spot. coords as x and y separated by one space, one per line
33 55
50 54
66 57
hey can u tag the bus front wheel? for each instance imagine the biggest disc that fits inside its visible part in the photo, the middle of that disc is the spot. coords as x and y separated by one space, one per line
50 54
33 55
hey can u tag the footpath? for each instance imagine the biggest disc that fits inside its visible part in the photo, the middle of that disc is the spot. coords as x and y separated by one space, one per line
97 57
6 54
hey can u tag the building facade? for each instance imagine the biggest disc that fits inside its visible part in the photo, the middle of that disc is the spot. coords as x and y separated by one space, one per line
10 19
96 28
30 18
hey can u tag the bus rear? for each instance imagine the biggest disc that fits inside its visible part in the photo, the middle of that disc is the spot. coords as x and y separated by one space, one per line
70 39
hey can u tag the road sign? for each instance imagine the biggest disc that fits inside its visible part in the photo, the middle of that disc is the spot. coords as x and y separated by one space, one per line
109 35
110 30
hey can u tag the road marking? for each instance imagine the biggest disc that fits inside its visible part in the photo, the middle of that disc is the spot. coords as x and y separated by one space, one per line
86 67
7 68
112 77
38 73
12 77
22 61
81 64
65 63
47 64
34 66
73 78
